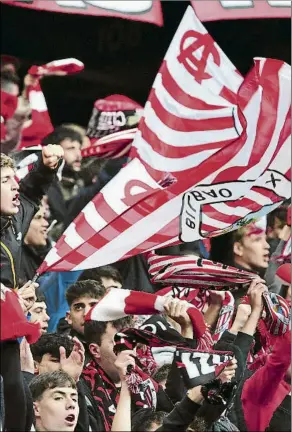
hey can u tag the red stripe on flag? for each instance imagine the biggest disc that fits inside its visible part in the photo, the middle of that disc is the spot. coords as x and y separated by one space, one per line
179 95
182 124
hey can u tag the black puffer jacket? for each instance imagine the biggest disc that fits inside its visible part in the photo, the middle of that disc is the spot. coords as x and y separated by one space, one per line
14 228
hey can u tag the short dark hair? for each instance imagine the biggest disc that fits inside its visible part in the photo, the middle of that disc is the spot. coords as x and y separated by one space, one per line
40 297
96 274
50 343
61 133
162 373
143 419
84 288
49 380
222 246
280 213
94 330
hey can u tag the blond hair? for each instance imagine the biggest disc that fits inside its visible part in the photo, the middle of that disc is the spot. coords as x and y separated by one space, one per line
6 161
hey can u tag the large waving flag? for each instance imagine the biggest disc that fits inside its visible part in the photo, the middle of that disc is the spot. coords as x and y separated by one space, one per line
203 128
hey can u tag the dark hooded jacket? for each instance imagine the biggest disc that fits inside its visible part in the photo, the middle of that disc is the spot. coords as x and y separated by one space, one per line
14 228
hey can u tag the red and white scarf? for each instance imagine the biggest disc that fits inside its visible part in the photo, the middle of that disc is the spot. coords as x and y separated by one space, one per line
277 313
200 298
40 125
62 67
195 272
197 366
117 304
112 127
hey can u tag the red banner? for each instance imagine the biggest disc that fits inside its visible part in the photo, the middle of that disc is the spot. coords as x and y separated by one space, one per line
216 10
147 11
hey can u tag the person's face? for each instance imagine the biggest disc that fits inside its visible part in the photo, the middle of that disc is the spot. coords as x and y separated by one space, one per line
9 192
253 251
57 410
37 232
78 310
72 153
110 283
276 230
104 354
39 315
48 363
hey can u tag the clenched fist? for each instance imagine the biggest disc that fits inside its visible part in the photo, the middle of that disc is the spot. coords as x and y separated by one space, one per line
51 155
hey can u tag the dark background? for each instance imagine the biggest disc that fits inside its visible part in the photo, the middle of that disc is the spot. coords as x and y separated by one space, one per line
121 56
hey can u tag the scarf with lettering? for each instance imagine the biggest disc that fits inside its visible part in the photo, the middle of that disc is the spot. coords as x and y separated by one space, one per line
112 127
197 367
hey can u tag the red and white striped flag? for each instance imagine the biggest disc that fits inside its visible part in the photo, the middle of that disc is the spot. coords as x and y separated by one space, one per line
196 135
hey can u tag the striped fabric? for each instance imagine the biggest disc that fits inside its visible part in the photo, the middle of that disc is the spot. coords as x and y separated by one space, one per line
195 272
117 304
25 162
200 298
196 366
40 125
62 67
112 146
205 138
278 314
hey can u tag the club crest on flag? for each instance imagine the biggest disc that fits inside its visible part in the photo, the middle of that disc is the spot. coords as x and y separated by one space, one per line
193 41
223 140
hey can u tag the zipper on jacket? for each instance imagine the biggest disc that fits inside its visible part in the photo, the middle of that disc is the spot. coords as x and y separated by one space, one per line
11 262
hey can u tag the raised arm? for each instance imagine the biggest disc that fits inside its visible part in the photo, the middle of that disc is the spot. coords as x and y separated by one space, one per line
35 185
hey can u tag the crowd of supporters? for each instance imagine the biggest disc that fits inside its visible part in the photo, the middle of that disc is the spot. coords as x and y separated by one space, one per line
60 367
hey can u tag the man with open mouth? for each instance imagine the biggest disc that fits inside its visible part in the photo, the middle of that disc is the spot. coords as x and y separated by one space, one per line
55 402
18 204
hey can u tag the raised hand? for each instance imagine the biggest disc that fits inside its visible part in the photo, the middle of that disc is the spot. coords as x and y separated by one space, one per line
177 310
229 371
26 358
73 365
51 155
255 294
124 359
27 295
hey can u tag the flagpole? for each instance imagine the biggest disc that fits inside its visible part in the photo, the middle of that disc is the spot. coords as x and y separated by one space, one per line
35 278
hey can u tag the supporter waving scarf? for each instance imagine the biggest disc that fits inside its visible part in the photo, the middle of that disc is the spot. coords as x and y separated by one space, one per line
191 277
120 303
196 366
276 322
199 298
40 124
